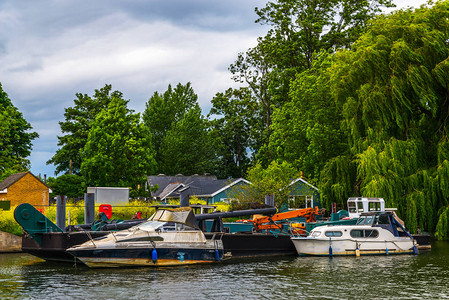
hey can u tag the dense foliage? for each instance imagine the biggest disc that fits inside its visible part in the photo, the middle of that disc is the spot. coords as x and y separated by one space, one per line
72 186
118 151
164 110
234 130
77 124
392 90
15 138
187 148
273 180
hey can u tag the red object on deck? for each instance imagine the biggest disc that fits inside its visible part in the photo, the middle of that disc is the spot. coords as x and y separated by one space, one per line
107 209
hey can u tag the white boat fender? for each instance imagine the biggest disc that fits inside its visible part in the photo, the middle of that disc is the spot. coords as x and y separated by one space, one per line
154 255
357 250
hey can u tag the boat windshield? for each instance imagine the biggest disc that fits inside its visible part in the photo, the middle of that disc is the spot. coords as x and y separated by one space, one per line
365 220
151 225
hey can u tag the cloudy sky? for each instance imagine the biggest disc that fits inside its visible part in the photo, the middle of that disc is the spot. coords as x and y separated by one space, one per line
51 50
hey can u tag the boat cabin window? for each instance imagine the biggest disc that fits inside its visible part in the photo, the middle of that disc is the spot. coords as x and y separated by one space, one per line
333 233
364 233
360 206
351 207
374 206
383 219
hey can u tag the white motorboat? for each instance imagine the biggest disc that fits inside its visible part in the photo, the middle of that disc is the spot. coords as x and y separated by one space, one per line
169 237
376 233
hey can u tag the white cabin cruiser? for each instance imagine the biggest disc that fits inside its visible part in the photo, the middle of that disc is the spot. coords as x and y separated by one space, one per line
169 237
376 233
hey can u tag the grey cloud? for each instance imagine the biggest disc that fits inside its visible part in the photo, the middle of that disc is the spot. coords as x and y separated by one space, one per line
229 15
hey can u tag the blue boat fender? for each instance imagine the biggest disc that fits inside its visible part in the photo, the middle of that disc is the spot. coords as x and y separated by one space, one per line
154 255
217 255
330 248
415 250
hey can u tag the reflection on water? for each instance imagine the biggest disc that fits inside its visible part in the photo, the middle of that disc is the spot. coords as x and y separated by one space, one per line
424 276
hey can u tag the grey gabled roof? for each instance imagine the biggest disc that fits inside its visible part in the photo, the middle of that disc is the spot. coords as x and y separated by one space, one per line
170 188
163 181
206 186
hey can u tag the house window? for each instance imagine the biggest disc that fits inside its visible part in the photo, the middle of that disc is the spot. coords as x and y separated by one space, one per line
297 201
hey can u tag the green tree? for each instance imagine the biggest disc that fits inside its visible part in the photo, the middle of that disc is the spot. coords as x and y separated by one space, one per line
118 150
162 111
299 31
187 147
273 180
306 130
76 128
392 88
15 138
233 129
72 186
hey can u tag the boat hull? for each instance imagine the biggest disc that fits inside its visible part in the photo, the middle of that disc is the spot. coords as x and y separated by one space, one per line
309 246
166 255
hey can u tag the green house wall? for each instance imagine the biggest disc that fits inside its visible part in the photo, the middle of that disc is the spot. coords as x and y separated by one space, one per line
302 189
223 194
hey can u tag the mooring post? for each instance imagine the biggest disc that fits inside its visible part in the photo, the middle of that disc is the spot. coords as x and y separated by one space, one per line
89 208
269 200
60 211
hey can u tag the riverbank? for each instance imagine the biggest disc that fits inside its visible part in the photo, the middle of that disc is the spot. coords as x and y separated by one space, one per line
10 243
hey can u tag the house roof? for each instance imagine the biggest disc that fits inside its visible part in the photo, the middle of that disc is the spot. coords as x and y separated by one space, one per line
205 186
303 181
172 187
163 181
11 179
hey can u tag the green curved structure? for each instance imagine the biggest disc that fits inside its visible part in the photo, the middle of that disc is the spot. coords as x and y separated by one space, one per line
34 222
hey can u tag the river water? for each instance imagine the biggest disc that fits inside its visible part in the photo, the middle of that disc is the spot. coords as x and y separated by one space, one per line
425 276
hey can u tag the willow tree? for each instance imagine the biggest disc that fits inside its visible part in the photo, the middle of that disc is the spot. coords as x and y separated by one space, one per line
392 88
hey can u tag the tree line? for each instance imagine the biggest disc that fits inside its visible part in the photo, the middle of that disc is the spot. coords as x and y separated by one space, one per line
355 99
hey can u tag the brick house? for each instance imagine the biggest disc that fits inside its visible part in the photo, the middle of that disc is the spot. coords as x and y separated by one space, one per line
24 188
